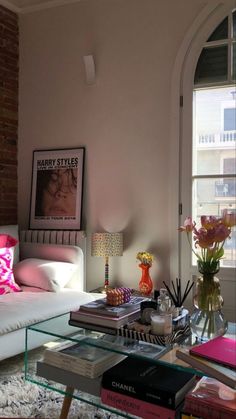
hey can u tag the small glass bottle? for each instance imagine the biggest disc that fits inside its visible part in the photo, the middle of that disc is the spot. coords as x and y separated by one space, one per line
164 301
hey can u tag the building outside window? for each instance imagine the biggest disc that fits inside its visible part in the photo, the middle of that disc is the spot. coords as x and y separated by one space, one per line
214 129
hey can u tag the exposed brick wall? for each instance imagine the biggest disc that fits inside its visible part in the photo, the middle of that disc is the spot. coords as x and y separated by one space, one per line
9 54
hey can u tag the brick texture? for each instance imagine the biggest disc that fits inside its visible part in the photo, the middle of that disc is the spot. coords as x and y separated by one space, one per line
9 58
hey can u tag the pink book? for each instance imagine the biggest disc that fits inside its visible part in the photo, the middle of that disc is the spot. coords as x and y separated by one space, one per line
221 350
135 406
211 399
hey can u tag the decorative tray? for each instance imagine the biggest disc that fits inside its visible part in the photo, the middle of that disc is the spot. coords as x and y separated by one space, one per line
176 336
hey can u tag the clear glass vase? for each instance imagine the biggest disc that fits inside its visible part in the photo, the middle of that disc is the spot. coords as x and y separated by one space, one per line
207 320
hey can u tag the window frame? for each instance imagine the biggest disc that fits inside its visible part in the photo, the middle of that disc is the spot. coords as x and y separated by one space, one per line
182 116
223 42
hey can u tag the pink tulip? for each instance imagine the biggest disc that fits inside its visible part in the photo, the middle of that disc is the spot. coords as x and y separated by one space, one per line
221 233
204 238
188 225
228 219
210 238
209 222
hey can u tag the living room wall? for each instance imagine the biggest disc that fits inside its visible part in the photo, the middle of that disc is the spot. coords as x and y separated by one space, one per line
9 50
123 119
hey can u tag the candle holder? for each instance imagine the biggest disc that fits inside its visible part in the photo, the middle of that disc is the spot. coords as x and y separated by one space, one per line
161 324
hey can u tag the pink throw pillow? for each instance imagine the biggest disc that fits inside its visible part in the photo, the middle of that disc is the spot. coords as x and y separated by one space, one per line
7 282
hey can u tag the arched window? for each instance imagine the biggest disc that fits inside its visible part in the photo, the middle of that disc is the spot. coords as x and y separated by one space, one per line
207 164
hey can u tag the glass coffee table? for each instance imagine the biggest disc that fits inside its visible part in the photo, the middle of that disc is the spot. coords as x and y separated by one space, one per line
56 330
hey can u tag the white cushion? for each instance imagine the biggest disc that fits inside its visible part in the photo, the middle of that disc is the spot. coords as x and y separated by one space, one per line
45 274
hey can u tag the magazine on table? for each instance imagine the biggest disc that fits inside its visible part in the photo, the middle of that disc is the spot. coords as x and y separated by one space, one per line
69 378
101 307
114 322
221 350
224 374
81 358
131 346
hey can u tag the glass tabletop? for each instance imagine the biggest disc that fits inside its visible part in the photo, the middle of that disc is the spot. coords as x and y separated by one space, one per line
57 330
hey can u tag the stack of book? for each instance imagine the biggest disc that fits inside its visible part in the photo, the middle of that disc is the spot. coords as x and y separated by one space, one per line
82 359
144 389
99 316
216 358
211 399
69 378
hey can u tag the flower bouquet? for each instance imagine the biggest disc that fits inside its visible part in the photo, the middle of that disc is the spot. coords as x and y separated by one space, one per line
210 238
207 320
145 258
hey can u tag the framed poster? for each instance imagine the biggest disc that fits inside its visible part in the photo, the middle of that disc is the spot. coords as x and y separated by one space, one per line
57 189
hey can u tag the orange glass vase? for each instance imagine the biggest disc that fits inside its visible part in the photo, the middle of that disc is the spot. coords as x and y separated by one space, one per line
145 283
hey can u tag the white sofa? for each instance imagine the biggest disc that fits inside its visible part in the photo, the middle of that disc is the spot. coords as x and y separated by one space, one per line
20 309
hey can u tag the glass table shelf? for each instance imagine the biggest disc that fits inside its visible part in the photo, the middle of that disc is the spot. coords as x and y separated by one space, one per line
56 330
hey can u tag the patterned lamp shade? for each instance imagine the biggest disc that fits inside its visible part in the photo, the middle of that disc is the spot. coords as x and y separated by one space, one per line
107 244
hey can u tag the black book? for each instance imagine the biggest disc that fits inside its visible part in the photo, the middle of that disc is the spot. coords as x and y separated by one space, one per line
158 384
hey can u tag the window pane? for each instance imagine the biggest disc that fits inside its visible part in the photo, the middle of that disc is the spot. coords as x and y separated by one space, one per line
229 165
225 188
214 130
212 65
229 119
209 199
221 32
214 153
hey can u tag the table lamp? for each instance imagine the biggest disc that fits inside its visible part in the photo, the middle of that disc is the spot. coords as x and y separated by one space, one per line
106 245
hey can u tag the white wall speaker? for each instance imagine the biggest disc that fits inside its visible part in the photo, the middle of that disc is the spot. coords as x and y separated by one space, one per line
89 69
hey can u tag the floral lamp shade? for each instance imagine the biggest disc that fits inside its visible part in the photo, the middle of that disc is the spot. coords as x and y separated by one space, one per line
106 245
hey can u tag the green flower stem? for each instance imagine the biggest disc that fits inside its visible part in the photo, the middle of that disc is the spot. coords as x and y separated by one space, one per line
205 325
190 244
207 296
213 254
209 325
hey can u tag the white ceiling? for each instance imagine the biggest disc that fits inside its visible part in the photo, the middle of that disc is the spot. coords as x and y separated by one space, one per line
25 6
